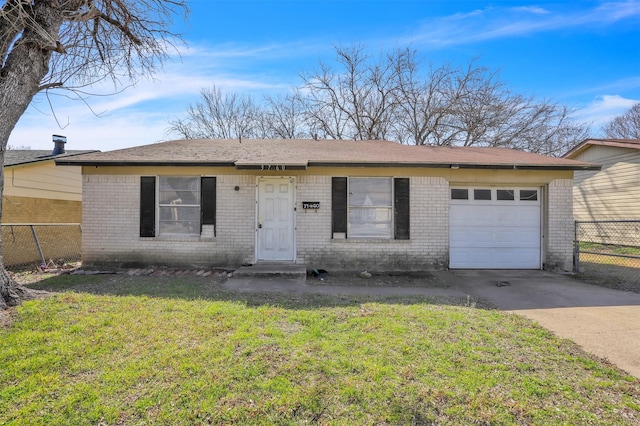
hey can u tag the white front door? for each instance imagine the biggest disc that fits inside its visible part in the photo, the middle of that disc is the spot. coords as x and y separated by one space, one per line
275 227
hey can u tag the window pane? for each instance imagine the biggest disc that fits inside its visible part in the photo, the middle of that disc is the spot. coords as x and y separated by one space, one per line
179 213
370 192
459 194
529 195
370 222
505 195
183 228
179 190
482 194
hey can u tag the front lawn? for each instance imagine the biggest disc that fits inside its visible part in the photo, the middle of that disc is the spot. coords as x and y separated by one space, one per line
150 351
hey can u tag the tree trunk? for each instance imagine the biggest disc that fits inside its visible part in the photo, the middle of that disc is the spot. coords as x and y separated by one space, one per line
23 70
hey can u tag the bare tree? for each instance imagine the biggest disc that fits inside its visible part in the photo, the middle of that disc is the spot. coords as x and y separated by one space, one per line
46 44
392 97
284 116
219 115
358 101
472 107
625 126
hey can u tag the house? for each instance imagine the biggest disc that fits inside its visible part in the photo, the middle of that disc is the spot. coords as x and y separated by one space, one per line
331 204
612 193
37 195
36 191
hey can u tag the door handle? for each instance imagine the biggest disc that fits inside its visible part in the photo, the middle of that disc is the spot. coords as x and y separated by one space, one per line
259 226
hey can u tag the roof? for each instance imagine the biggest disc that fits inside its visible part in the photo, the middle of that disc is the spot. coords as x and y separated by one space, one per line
13 157
302 153
585 144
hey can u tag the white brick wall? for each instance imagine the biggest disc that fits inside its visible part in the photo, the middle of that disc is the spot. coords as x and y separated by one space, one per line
111 228
111 212
559 253
429 230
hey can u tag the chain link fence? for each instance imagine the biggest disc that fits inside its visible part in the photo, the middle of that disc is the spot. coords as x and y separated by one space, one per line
41 246
608 252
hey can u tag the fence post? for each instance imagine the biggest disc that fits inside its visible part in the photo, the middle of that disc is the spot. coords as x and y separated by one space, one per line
576 248
35 238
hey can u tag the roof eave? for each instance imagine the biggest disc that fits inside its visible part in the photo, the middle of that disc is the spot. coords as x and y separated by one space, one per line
98 163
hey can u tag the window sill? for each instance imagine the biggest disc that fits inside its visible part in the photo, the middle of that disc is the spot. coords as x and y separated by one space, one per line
368 241
179 239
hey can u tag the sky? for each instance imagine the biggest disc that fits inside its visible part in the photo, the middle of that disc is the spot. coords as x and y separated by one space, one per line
582 54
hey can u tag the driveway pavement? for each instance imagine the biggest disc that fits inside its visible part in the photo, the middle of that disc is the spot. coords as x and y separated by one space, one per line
604 322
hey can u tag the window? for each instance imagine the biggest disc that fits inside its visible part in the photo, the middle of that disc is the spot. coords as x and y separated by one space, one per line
179 205
528 195
482 194
184 204
459 194
505 194
370 207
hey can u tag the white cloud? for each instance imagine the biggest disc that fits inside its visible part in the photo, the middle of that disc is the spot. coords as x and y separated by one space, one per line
493 23
138 114
604 108
536 10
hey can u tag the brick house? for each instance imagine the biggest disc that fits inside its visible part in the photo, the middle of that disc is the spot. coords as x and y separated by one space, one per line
331 204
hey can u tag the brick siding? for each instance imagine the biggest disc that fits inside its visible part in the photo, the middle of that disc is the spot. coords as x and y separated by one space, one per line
559 253
111 228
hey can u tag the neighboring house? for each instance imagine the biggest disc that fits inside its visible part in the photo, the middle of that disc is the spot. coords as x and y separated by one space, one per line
36 191
328 204
612 193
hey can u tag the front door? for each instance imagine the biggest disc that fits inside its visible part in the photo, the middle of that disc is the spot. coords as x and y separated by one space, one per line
275 227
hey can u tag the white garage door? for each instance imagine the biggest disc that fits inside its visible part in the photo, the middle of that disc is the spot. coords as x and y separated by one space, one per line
494 228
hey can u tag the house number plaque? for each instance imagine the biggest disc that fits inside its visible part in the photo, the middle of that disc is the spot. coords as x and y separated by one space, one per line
311 204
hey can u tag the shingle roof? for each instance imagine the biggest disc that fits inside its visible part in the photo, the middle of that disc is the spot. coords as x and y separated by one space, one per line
620 143
14 157
256 153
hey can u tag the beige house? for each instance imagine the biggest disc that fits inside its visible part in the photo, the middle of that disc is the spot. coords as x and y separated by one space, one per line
331 204
612 193
36 191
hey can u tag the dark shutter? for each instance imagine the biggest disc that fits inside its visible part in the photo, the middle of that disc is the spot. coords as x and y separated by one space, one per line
339 204
147 206
401 208
208 201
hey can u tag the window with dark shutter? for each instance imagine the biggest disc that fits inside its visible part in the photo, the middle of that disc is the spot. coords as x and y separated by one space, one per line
208 201
147 206
339 205
401 208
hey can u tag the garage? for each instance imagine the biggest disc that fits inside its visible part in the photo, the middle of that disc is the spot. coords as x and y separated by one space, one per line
495 228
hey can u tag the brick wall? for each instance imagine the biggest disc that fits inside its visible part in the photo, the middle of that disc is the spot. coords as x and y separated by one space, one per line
111 226
559 250
427 248
40 210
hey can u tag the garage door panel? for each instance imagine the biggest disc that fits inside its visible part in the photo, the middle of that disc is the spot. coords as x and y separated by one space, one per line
495 258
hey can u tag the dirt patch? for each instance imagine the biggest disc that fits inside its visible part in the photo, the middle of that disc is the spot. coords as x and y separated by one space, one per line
357 279
6 316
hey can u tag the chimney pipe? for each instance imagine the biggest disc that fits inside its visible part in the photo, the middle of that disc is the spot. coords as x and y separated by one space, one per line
58 144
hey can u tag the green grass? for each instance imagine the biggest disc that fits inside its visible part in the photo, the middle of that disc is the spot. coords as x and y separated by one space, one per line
120 350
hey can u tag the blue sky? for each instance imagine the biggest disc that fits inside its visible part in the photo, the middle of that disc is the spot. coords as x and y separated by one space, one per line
583 54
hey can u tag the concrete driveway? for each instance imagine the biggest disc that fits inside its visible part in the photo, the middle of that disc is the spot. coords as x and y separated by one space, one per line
604 322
